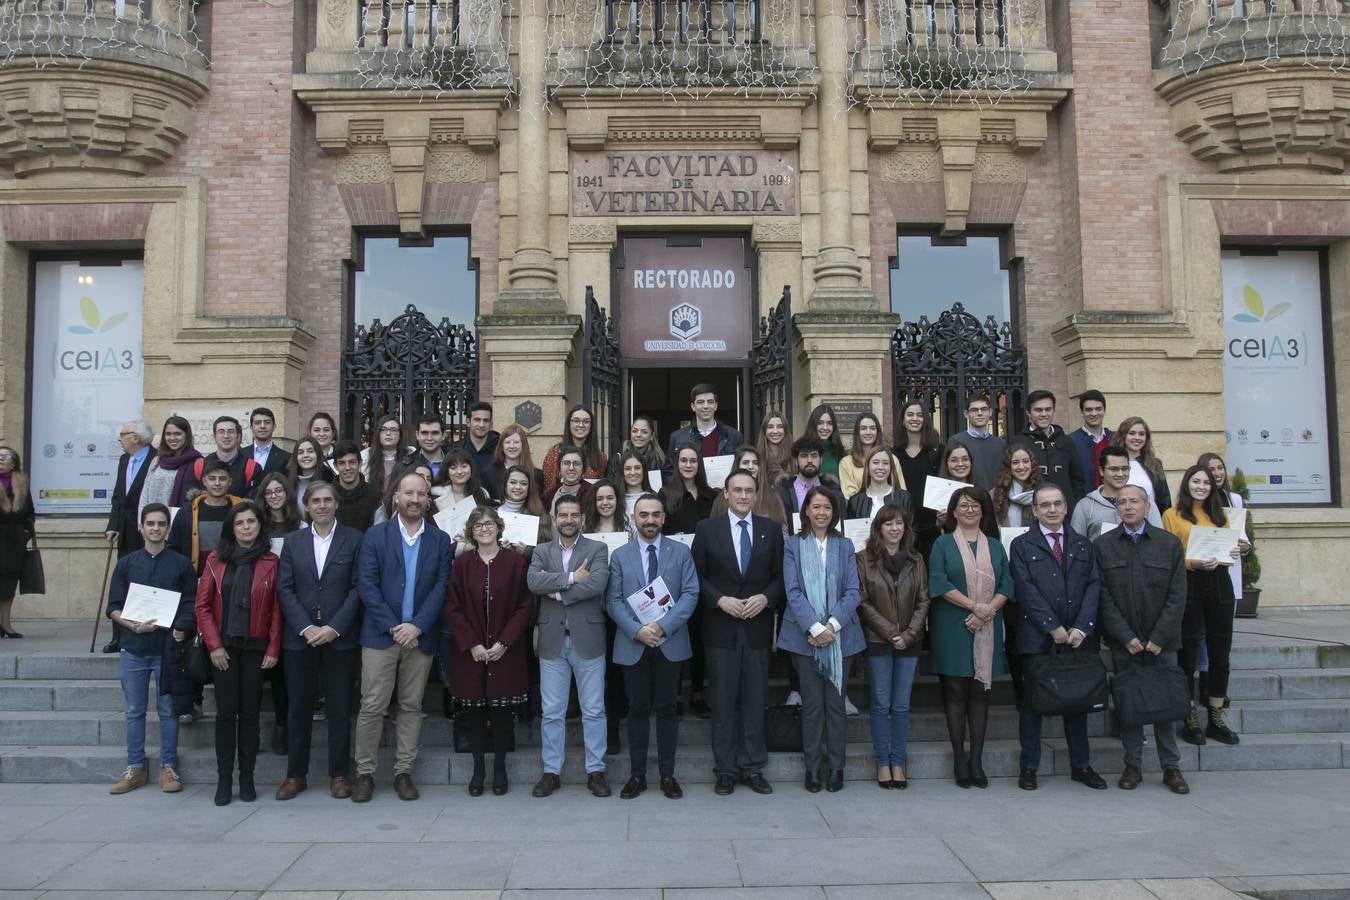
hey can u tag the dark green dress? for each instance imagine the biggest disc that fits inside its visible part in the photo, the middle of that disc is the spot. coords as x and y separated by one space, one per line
952 645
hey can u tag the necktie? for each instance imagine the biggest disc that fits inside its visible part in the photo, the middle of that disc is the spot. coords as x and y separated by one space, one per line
745 545
651 563
1056 549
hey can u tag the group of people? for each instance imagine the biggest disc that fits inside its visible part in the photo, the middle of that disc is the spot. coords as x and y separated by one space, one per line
324 571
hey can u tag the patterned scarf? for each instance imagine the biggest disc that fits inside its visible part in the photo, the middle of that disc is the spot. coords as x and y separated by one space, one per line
821 583
980 584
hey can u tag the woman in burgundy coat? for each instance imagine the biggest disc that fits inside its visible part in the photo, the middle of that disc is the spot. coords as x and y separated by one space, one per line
487 609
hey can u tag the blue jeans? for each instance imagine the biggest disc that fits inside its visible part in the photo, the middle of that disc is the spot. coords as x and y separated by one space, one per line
892 678
134 672
555 676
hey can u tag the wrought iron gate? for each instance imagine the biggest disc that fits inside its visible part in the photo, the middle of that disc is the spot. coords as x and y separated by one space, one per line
600 382
944 362
771 364
408 368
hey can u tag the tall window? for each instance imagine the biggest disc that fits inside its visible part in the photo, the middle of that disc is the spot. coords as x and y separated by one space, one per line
931 273
434 275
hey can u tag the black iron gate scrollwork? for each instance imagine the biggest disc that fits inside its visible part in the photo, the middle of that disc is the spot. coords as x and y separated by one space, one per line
408 368
942 363
771 364
600 377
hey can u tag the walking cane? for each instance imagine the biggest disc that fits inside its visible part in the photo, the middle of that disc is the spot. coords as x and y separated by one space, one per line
102 597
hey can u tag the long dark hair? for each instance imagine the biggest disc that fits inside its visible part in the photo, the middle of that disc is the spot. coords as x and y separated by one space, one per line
332 423
988 521
833 442
621 485
182 425
1225 491
591 457
590 515
952 447
875 548
290 516
819 491
1003 481
1212 505
228 548
929 439
673 491
856 451
375 454
321 470
459 456
776 456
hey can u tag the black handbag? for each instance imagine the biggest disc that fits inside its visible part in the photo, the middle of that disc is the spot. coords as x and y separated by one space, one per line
198 660
1148 691
783 729
32 579
1065 681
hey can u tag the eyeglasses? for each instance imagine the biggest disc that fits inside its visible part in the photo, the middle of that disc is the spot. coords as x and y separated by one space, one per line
390 429
580 421
968 507
125 433
274 492
1117 469
485 526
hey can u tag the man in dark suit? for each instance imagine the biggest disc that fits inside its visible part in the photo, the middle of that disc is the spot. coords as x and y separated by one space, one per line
739 560
402 574
266 455
1055 573
316 587
123 523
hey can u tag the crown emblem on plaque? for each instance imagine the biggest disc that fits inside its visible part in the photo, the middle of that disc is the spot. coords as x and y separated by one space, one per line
686 321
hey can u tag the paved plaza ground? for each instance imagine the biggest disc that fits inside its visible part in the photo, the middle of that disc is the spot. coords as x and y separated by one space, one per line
1237 832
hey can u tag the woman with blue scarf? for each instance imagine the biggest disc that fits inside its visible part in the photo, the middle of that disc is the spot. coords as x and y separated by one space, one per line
820 629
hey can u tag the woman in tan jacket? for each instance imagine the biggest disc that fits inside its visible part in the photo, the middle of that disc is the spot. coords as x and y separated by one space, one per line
893 610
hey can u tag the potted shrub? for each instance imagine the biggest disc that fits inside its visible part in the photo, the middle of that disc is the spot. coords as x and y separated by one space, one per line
1251 563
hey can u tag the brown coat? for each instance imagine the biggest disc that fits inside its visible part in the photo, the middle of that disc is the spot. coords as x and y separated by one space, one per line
892 606
505 619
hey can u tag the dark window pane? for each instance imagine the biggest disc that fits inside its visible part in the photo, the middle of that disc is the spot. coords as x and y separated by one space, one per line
436 279
928 279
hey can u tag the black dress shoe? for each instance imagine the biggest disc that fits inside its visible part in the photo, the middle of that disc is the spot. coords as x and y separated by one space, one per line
961 770
1026 779
671 788
813 782
224 788
977 776
700 708
757 783
112 646
633 788
835 782
1089 777
500 784
725 785
247 791
476 784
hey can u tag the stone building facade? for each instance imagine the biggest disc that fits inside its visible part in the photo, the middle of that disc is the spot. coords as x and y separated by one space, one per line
247 152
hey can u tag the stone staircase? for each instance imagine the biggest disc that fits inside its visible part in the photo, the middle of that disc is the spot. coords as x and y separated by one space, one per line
60 721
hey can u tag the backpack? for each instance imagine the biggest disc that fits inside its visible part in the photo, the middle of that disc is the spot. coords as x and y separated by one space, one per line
250 469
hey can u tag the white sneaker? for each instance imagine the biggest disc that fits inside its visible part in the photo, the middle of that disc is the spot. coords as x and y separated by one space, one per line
794 698
849 708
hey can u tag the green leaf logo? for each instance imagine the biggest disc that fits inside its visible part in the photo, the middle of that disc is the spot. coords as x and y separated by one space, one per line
93 323
1256 307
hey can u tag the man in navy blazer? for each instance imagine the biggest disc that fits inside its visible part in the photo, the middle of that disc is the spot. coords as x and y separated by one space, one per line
739 559
401 577
650 651
1057 587
320 608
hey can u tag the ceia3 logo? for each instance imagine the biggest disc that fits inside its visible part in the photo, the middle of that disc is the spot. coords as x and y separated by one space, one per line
686 321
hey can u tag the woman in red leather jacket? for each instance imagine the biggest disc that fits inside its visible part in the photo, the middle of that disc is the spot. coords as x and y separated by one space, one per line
240 624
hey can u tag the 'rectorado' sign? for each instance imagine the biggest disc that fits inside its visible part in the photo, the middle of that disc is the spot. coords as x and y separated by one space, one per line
705 183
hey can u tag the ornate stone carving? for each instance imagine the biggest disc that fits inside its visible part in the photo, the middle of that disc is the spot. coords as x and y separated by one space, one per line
1250 118
592 233
95 115
911 167
455 166
776 232
366 167
999 168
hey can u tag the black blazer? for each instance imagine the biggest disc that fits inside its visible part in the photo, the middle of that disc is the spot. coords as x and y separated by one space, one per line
859 506
276 460
307 598
719 575
125 503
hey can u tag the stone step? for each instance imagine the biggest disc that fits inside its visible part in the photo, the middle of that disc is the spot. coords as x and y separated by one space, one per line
1290 716
99 695
927 760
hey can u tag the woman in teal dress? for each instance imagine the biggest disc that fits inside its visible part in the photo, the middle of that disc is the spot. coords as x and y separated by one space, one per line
969 581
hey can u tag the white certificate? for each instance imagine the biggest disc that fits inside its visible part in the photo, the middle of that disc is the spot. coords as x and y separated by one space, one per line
686 539
173 513
1007 535
277 544
521 528
857 531
717 469
453 520
651 603
1212 543
1105 527
611 539
938 491
145 603
1237 518
654 480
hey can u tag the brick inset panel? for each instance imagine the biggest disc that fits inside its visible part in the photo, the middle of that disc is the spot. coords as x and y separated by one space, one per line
1282 218
369 204
75 222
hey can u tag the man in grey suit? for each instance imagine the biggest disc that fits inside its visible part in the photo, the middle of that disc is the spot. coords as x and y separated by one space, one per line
650 650
569 575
